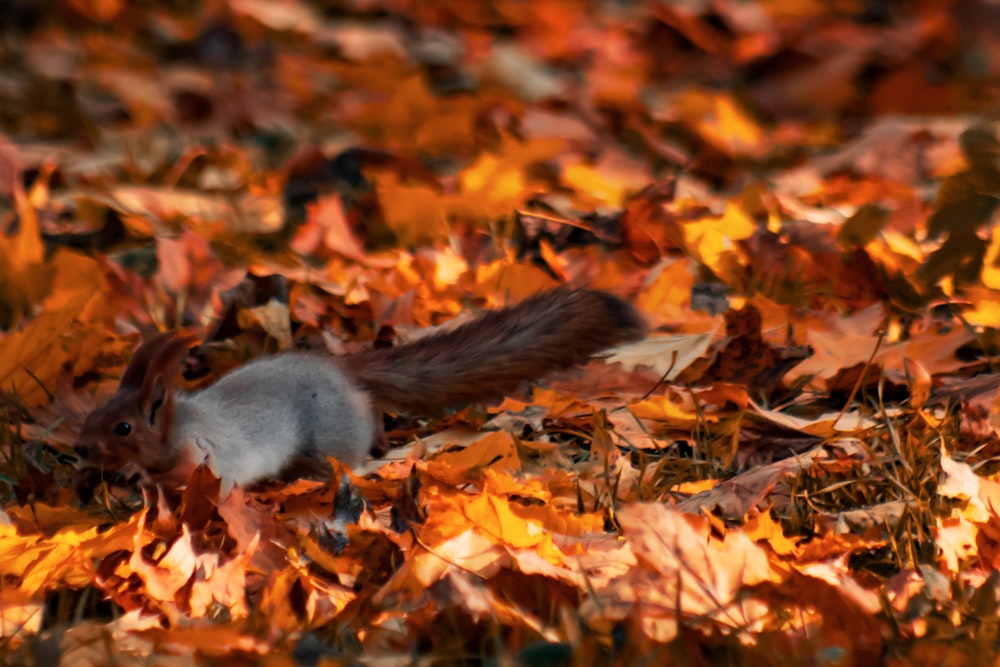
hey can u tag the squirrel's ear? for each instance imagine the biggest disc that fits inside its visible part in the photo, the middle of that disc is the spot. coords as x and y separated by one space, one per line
160 373
135 373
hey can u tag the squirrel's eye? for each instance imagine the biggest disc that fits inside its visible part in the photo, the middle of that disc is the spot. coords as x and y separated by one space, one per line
123 428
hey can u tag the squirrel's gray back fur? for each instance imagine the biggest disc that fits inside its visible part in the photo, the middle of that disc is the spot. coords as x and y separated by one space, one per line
274 408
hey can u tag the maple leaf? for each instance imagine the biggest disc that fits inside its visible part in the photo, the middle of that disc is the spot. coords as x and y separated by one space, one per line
683 572
24 276
702 159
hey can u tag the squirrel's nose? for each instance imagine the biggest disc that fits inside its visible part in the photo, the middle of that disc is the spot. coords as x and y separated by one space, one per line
82 451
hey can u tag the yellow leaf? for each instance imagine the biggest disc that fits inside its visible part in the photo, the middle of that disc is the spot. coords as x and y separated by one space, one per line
25 247
955 540
713 240
991 270
503 283
416 214
662 409
21 614
764 527
584 177
24 277
496 184
491 451
721 121
31 359
78 275
731 128
164 579
452 513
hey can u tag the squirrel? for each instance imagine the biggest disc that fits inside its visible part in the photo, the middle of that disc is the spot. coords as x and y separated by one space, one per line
282 415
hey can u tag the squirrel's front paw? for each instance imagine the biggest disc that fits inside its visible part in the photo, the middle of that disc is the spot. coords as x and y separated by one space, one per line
87 479
131 474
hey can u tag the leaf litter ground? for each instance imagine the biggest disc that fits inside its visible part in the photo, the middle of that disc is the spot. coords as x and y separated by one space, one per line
799 464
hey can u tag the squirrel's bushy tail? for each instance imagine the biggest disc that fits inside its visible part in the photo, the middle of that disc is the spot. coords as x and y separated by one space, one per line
497 351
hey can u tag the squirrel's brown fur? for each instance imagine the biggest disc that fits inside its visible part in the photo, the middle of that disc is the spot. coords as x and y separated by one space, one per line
497 351
275 413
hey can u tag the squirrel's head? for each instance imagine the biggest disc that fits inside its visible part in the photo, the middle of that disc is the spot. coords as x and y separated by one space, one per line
133 426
